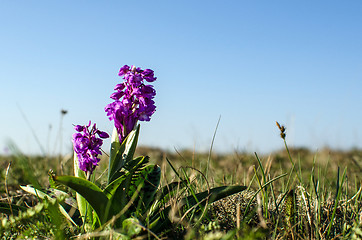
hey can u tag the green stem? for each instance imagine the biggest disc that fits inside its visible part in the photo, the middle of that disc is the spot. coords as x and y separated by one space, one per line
291 161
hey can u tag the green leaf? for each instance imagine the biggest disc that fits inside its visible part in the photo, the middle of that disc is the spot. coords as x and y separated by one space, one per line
160 220
139 173
43 195
152 175
111 188
131 144
132 167
77 171
215 194
164 195
115 153
85 211
91 192
143 187
127 190
167 191
120 154
136 163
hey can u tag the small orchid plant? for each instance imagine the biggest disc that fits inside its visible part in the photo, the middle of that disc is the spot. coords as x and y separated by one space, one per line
132 196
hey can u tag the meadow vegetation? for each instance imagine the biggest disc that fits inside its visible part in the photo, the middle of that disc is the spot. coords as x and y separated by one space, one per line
317 195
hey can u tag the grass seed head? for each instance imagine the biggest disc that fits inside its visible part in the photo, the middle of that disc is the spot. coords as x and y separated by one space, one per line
282 130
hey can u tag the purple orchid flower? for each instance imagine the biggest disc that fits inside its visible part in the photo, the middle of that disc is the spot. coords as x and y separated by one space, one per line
132 100
87 143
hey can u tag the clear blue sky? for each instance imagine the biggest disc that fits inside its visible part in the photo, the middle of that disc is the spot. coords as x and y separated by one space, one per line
250 62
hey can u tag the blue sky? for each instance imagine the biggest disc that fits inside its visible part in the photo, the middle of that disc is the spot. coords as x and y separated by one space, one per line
250 62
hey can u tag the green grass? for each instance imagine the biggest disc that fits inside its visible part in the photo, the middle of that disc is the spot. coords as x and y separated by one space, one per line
292 194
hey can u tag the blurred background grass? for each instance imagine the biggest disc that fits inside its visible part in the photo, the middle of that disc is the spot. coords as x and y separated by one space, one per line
232 168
